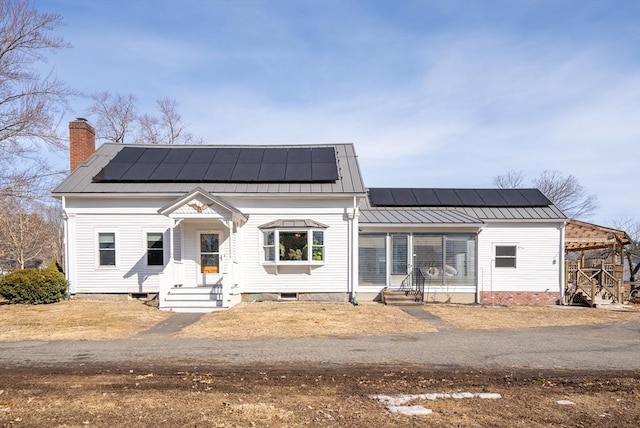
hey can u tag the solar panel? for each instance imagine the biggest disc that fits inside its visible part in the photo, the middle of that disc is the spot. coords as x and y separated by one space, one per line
426 197
166 172
513 197
325 171
250 155
403 197
232 164
128 155
535 197
246 172
204 155
299 155
178 155
468 197
153 155
112 172
448 197
272 172
323 155
139 172
219 172
227 155
491 197
298 172
193 172
275 155
381 197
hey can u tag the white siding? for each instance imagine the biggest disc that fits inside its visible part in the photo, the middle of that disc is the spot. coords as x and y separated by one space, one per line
538 262
332 276
131 273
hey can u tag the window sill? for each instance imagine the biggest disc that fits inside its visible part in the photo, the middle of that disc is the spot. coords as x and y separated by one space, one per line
297 263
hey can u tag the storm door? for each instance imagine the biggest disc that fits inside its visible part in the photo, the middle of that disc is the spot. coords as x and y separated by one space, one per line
208 258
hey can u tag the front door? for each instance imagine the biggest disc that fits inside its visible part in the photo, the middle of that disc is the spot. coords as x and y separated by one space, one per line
208 258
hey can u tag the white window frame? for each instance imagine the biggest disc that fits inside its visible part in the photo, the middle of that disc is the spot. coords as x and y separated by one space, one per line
145 246
393 258
276 246
116 240
496 257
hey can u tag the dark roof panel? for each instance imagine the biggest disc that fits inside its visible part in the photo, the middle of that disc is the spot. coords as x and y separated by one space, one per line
204 155
535 197
272 172
324 171
491 198
249 155
381 197
469 197
193 172
153 155
246 172
298 172
480 198
513 197
219 172
222 164
299 155
448 197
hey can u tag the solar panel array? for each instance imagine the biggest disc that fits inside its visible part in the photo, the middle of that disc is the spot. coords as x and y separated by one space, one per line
223 164
407 197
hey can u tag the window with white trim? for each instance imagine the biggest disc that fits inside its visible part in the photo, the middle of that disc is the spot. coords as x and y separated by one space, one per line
294 246
107 249
155 249
505 256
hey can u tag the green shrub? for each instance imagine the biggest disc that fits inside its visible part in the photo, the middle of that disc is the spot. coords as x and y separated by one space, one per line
34 286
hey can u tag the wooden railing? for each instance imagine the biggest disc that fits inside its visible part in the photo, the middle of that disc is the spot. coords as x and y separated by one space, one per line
591 282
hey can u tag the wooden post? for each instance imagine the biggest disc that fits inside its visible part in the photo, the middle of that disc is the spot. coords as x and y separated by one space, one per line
619 290
593 293
566 282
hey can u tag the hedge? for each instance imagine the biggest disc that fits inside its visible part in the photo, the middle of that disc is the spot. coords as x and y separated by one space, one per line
34 286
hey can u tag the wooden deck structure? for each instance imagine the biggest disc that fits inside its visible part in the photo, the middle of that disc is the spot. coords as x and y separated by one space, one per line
594 283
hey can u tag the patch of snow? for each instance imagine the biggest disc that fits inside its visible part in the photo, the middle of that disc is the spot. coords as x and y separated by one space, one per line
565 402
409 410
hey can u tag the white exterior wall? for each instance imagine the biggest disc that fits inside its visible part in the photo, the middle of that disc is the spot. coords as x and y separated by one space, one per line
539 258
260 277
131 218
131 273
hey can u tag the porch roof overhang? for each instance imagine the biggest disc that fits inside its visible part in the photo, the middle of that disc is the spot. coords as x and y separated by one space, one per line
293 224
581 236
418 218
213 202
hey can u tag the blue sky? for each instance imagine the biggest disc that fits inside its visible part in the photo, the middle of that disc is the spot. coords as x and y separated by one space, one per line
432 93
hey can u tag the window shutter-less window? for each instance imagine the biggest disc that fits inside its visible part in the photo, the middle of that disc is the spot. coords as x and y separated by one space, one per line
399 254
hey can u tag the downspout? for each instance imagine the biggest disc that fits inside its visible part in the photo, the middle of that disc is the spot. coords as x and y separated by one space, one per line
353 239
65 226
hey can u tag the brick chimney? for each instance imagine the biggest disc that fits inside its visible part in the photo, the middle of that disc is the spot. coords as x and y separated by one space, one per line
82 142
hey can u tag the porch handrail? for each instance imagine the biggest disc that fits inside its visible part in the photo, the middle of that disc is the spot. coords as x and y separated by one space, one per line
413 283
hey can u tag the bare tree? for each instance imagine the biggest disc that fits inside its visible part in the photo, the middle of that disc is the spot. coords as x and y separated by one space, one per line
565 192
631 252
510 180
26 232
115 115
30 104
117 121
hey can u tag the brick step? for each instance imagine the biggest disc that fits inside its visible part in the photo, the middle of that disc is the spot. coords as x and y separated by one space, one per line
399 298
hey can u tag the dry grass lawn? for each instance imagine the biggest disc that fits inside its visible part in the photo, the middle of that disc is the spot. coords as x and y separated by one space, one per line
488 317
304 319
77 320
81 319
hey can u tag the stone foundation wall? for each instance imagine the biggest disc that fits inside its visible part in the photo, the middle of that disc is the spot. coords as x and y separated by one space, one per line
519 298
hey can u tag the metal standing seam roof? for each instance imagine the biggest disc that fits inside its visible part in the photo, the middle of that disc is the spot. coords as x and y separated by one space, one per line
80 181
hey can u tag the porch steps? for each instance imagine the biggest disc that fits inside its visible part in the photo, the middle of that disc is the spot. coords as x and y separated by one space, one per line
399 298
194 299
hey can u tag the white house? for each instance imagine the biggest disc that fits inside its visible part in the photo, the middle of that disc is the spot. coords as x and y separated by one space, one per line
206 227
